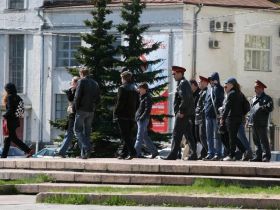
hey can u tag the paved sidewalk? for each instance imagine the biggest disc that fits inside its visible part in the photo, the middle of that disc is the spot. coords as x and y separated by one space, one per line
16 200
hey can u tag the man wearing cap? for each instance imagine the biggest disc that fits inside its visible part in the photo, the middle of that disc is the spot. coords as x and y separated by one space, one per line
200 129
183 110
261 106
213 100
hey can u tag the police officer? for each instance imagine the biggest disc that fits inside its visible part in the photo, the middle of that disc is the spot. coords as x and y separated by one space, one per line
183 110
200 128
261 106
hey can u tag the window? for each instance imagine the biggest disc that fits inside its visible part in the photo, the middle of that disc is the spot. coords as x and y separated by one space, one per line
61 104
257 53
67 46
16 60
16 4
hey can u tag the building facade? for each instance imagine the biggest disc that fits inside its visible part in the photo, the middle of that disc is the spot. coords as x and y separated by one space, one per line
39 38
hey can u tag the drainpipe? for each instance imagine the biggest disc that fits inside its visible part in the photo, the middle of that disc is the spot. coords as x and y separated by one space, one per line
194 50
42 78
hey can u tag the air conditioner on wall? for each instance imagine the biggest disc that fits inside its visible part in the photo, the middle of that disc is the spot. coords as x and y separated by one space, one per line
228 27
214 44
215 26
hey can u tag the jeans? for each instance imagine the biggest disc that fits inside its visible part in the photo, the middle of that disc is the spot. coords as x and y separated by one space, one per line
68 137
142 137
243 138
82 128
213 139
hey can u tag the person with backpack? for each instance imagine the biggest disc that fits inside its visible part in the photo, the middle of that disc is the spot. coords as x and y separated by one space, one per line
262 105
14 111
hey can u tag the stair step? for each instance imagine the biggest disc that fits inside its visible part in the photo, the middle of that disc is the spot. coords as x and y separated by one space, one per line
130 178
147 166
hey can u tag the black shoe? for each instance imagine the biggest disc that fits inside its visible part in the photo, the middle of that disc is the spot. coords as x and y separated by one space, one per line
208 157
129 157
256 159
140 156
247 155
154 155
167 158
192 157
265 159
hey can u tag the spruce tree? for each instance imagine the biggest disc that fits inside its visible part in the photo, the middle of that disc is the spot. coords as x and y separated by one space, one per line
132 50
98 55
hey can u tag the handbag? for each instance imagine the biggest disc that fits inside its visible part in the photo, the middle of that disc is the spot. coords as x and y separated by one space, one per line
5 128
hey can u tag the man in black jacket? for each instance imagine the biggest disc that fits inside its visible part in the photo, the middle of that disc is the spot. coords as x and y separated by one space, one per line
183 110
86 98
261 106
127 102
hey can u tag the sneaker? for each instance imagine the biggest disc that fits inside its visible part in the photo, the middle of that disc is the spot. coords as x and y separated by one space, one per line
154 155
208 157
247 155
229 158
265 159
216 158
192 157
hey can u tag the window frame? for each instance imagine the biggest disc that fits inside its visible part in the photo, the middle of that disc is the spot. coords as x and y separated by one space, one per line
62 108
258 50
70 51
10 8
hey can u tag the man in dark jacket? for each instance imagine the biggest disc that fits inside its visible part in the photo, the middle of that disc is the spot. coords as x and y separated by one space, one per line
200 128
183 110
214 100
127 102
86 98
68 137
261 106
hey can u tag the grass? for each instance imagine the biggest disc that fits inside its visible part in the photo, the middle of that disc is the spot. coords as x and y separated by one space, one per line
200 186
32 180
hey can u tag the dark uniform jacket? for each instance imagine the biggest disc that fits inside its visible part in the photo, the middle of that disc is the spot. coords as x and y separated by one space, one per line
184 102
260 108
145 107
127 102
233 106
200 107
87 95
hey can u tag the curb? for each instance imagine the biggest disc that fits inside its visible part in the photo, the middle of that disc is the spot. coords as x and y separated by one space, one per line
171 200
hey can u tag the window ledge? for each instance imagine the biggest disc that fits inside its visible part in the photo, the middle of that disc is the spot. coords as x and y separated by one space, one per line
14 10
257 70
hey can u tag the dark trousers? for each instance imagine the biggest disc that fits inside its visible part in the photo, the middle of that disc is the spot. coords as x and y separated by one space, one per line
261 141
200 133
126 130
232 128
13 138
182 126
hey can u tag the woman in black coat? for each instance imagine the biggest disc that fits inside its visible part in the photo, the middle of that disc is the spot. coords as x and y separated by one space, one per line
11 101
232 115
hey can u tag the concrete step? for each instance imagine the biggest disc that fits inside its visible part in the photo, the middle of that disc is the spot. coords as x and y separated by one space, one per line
131 178
147 166
177 200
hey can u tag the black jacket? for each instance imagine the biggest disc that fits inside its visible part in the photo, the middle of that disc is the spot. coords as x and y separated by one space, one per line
184 102
200 107
145 107
260 108
233 106
127 102
87 95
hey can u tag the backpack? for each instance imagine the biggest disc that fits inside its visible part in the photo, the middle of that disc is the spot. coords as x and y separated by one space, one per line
19 113
245 105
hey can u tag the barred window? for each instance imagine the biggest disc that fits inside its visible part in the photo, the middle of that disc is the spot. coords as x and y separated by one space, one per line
16 60
67 46
257 53
61 104
16 4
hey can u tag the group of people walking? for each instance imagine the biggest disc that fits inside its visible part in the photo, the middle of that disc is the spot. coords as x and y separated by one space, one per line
216 117
205 112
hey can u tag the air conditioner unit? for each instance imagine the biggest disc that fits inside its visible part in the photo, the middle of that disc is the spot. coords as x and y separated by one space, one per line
228 27
214 44
215 26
